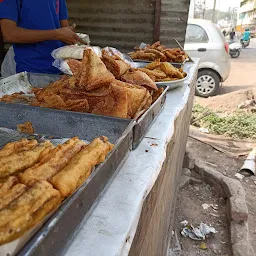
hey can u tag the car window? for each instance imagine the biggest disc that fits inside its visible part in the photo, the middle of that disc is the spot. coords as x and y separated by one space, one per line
196 34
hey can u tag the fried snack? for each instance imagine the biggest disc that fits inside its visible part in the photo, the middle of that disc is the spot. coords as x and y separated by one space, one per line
157 94
51 163
94 73
51 89
136 96
116 67
115 104
157 53
77 105
54 101
155 45
28 210
167 79
16 97
18 162
139 78
13 193
75 67
158 74
170 70
8 184
27 127
143 56
153 65
17 146
145 104
80 166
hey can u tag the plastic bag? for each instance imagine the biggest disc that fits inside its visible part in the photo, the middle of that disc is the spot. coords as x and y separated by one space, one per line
73 52
63 66
113 51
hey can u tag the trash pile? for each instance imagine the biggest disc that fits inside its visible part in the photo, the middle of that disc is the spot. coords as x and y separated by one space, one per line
198 233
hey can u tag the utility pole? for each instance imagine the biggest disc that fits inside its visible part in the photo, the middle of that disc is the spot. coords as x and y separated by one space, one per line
214 12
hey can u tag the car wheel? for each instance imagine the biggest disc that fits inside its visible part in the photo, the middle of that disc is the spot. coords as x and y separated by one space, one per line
208 83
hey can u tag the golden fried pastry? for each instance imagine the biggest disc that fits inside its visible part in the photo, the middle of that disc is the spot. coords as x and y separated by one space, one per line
80 166
157 53
94 72
18 162
136 96
170 70
27 210
116 67
115 104
13 193
143 56
156 73
145 104
157 94
139 78
51 89
8 184
79 105
153 65
27 127
75 67
51 163
54 101
17 146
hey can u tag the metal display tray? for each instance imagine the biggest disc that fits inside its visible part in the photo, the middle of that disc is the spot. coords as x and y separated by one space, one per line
145 121
58 230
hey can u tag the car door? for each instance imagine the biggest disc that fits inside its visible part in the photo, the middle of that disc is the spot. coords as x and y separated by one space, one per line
197 42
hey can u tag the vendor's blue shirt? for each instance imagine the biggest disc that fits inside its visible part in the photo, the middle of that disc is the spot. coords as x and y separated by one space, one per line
35 15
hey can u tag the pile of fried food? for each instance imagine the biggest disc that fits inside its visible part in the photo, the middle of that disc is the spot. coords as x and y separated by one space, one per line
37 177
105 86
157 51
163 71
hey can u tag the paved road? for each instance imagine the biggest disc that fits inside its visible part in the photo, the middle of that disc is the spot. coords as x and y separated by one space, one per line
243 70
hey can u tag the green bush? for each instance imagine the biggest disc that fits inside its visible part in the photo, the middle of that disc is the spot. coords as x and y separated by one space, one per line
238 125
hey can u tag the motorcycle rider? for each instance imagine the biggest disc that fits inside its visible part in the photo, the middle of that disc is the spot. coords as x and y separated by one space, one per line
245 41
246 35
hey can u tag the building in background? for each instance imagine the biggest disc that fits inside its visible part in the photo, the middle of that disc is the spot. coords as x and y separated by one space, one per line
247 16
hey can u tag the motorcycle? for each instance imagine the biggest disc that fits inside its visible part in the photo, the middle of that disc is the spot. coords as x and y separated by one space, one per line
245 43
234 50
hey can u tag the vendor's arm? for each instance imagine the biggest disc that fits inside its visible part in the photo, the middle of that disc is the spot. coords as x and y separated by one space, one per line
13 34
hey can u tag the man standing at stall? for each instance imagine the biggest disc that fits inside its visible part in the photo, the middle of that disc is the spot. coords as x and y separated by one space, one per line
35 28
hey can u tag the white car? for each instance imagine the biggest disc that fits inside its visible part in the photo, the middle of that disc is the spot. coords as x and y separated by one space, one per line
204 40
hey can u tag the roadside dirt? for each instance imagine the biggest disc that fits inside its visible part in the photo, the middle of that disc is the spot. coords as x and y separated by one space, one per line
190 208
229 167
228 103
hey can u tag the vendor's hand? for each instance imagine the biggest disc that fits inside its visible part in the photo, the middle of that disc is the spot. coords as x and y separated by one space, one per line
68 36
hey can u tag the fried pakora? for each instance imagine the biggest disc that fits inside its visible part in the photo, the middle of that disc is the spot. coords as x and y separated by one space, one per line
158 51
20 161
80 166
139 78
31 207
17 146
27 128
51 163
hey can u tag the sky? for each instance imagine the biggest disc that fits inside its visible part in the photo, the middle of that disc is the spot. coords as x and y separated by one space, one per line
223 5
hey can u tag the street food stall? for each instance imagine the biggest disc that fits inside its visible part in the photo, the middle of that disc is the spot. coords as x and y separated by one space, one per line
90 160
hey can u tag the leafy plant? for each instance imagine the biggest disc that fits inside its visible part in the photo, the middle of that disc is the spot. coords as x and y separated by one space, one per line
238 125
